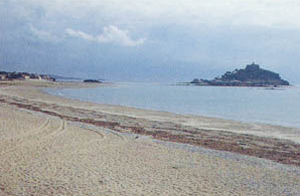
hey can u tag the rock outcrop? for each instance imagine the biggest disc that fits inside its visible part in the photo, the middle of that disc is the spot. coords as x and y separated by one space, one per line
92 81
252 75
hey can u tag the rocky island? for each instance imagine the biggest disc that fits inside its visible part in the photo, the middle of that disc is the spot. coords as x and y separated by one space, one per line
252 75
92 81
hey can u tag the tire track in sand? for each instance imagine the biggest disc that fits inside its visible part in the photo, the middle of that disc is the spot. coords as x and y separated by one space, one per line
35 139
28 135
96 132
23 136
116 134
62 128
37 130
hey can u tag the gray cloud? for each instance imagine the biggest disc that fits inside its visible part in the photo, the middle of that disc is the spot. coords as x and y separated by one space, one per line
266 13
185 37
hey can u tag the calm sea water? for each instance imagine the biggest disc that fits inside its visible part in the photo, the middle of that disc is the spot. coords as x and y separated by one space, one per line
279 107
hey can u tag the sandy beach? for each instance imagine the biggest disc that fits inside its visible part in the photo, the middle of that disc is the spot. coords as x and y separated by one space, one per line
51 145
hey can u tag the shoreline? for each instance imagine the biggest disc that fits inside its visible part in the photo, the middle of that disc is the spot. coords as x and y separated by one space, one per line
57 146
278 143
216 117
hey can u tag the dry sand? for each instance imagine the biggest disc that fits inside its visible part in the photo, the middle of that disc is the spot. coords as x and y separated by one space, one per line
56 151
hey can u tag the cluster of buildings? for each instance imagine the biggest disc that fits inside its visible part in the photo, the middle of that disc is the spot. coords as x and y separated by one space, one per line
23 76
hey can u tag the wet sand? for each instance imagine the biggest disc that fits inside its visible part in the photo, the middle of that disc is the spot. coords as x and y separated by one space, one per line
56 146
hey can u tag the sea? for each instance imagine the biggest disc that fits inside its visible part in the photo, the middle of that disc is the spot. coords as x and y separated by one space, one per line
277 106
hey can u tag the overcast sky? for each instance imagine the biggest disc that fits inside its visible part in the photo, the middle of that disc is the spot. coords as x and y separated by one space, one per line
149 40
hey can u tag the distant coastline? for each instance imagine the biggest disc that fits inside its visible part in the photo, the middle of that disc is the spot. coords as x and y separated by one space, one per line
8 76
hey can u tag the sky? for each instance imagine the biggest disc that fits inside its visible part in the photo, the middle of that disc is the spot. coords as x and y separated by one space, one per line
149 40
